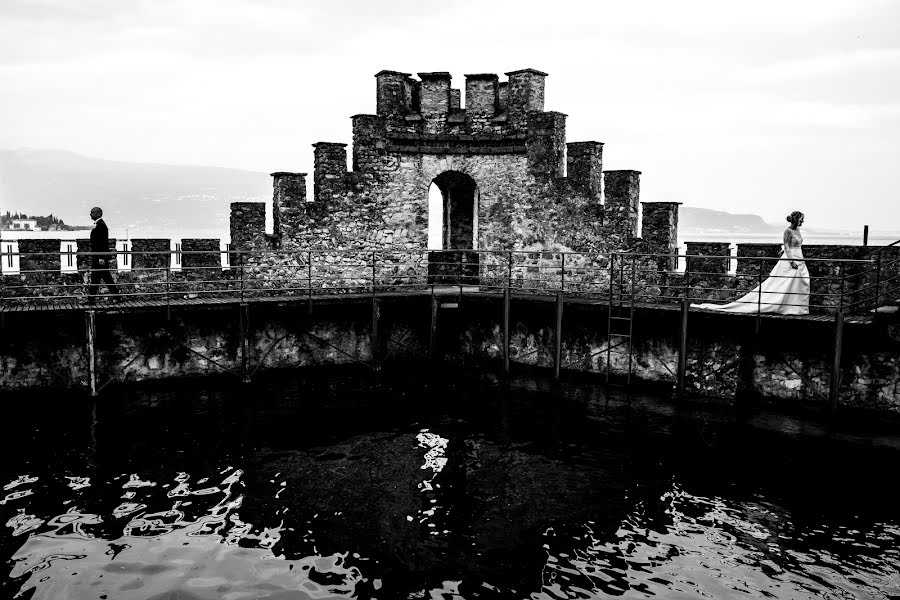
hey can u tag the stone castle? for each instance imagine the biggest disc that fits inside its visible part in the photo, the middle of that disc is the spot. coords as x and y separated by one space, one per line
509 182
508 178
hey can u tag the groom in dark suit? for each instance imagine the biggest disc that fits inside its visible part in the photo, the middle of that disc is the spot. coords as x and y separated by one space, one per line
100 262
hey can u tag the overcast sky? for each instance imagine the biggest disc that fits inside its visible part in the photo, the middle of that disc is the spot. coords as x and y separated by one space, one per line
762 107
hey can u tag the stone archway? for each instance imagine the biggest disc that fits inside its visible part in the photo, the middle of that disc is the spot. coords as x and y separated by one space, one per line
456 263
459 192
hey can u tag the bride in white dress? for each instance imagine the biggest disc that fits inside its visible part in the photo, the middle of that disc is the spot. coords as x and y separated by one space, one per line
786 290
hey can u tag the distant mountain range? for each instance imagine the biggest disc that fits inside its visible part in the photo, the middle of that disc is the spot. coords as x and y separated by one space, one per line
704 220
153 199
144 197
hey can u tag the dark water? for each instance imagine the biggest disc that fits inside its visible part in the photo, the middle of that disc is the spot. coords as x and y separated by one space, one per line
461 488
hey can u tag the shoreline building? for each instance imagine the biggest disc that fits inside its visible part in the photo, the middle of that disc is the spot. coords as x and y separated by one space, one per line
22 225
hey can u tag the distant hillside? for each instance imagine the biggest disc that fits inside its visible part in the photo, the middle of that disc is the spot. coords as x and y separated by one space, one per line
704 220
148 197
152 199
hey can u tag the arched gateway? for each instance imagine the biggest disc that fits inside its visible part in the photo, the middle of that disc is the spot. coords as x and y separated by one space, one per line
458 210
452 259
508 179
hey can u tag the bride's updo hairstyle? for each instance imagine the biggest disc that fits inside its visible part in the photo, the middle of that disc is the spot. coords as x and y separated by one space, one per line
794 218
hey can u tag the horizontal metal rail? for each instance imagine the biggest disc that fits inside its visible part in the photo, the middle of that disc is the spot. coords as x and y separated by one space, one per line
836 284
885 247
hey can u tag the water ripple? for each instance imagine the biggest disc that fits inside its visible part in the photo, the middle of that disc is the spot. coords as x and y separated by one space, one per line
500 494
712 548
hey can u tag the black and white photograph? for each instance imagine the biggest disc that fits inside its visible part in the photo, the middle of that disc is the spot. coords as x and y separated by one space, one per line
416 300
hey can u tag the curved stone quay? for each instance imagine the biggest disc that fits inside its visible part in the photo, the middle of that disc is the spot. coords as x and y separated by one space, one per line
543 264
527 406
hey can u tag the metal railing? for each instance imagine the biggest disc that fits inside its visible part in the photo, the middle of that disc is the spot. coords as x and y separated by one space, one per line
845 285
886 286
880 249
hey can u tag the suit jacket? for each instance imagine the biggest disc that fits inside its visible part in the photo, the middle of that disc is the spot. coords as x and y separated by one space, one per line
100 240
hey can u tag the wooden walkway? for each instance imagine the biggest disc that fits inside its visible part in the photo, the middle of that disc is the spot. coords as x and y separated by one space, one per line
143 304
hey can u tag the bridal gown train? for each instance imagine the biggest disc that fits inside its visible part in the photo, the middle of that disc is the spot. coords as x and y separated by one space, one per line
784 292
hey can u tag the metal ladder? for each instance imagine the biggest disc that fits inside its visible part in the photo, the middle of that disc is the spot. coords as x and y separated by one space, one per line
620 315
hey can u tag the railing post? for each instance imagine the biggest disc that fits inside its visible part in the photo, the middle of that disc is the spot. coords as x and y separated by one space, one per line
609 317
634 276
90 327
562 271
877 281
834 391
682 348
241 268
459 280
506 331
759 284
612 271
506 297
432 337
375 314
631 316
244 323
309 281
168 289
375 337
557 354
842 266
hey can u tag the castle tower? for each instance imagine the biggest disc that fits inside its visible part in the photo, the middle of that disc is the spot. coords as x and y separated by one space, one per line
507 175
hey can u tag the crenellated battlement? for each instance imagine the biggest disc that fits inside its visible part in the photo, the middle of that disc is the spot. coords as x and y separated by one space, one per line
489 196
518 182
430 104
423 117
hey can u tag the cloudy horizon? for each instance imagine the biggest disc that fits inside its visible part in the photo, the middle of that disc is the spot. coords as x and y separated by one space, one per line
756 108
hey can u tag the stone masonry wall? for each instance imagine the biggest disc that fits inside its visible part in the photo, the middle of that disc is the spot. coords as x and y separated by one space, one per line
545 264
840 276
885 283
536 194
706 271
513 150
788 363
148 346
622 201
39 272
659 231
151 275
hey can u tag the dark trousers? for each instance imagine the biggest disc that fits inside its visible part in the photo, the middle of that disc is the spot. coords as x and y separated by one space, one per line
100 275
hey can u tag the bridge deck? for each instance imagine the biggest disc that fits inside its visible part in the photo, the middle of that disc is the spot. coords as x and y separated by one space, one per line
144 304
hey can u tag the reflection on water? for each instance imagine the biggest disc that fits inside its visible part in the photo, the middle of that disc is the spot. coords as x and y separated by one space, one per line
199 546
710 548
335 488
